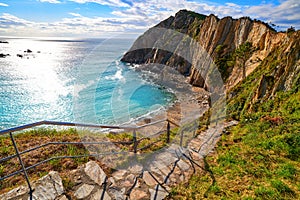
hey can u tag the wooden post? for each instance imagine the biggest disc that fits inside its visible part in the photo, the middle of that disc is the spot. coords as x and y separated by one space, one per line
168 132
135 144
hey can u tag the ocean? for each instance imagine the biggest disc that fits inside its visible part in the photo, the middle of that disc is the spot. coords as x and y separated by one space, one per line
73 80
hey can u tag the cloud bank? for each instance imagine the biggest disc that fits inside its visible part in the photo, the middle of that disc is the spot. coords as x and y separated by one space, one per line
135 16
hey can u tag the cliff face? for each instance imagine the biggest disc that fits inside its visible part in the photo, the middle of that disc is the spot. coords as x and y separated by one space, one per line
219 38
281 68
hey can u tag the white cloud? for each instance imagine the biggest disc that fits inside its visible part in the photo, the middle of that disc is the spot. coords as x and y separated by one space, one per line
153 11
232 5
50 1
8 20
3 4
286 14
116 3
74 26
75 14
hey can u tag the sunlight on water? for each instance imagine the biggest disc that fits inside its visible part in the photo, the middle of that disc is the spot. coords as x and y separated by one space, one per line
35 88
62 80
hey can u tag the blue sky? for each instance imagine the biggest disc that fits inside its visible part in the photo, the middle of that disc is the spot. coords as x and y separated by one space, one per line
104 18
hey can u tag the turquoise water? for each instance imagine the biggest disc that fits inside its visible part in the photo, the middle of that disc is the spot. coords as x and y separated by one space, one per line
72 80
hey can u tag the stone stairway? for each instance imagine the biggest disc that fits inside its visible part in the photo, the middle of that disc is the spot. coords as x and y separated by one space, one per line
149 178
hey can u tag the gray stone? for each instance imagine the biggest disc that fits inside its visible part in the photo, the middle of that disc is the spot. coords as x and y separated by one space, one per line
149 180
112 181
158 176
181 178
165 170
76 176
183 165
153 168
167 158
136 169
119 175
158 193
94 172
16 193
84 191
63 197
125 184
117 194
98 194
138 194
48 187
130 178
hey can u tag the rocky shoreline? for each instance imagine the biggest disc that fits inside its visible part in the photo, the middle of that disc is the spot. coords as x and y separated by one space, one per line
190 101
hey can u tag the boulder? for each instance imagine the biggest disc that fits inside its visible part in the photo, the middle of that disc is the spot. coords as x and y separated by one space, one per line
95 173
48 187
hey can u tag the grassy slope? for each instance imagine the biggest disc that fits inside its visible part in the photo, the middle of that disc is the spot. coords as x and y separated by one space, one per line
30 139
259 158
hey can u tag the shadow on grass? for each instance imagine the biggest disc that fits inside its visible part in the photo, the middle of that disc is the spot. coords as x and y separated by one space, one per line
212 176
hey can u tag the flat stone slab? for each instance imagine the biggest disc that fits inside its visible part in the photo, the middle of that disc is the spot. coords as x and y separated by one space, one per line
84 191
98 195
158 193
149 180
138 194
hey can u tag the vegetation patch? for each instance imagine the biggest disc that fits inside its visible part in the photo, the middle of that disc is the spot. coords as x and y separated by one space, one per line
260 157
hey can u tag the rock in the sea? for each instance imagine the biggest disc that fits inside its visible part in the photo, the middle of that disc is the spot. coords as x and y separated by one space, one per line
2 55
95 173
28 51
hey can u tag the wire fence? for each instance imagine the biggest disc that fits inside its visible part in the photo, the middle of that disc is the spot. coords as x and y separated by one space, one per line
134 142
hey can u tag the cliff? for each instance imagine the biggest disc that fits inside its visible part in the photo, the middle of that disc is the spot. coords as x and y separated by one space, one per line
220 38
259 158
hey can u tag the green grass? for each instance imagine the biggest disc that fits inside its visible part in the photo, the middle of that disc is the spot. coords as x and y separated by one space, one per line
260 157
257 160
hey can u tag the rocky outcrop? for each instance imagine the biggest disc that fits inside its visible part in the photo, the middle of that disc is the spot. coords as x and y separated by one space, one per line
3 55
282 69
209 32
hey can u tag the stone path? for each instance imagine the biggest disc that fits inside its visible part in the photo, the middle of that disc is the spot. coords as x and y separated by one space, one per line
152 180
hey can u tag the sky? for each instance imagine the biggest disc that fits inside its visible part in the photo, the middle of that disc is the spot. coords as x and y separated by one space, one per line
107 18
